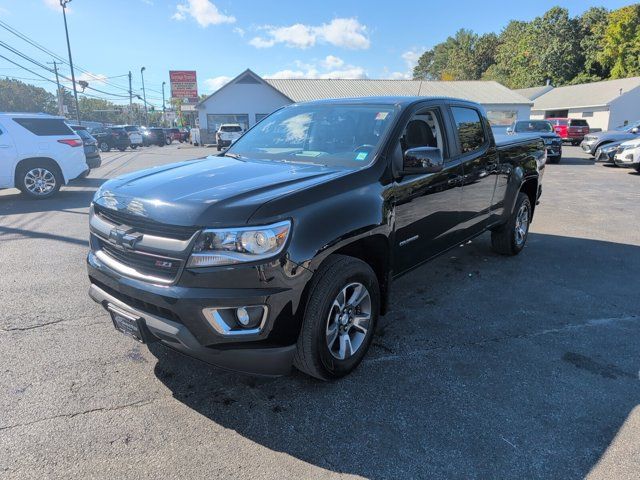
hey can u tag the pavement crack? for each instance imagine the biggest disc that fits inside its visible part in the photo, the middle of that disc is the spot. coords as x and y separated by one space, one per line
139 403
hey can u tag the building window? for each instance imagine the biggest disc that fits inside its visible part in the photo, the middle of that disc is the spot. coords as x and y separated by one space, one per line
260 116
214 120
502 118
587 114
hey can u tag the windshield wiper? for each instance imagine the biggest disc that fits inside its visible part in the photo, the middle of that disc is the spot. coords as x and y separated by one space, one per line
237 156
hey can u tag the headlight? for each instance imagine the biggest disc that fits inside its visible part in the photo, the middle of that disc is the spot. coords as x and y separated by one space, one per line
628 147
609 149
227 246
548 141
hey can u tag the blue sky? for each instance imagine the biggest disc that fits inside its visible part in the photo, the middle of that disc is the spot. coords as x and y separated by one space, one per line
220 38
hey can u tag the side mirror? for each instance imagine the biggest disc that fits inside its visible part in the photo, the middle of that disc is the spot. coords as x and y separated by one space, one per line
422 160
635 130
509 130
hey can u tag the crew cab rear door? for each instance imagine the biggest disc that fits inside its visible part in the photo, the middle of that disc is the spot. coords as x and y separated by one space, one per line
476 151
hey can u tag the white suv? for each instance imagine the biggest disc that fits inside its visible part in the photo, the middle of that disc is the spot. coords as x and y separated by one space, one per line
135 135
227 134
38 153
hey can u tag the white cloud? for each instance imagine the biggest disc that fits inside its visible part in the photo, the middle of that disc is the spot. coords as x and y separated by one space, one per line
410 58
147 2
330 67
215 83
55 5
239 31
340 32
92 78
202 11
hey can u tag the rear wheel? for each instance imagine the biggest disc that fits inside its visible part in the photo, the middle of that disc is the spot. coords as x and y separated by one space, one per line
104 147
133 147
510 238
39 180
122 149
340 318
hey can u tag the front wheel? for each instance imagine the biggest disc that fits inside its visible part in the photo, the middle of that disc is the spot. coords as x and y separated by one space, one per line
104 147
509 239
340 318
133 147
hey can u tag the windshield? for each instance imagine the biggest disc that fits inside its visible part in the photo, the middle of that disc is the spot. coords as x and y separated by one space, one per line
335 135
230 128
627 127
131 128
534 126
84 134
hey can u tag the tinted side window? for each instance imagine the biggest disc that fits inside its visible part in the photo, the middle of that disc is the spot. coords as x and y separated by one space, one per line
44 126
578 123
469 127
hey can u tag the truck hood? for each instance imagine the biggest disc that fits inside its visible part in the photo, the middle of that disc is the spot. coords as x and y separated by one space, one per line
213 191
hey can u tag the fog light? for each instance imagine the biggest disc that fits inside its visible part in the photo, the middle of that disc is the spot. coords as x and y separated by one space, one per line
243 316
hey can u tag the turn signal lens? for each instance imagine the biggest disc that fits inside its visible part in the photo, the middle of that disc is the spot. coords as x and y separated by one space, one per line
72 142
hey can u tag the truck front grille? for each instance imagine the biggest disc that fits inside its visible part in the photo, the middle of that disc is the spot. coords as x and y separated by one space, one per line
144 263
144 225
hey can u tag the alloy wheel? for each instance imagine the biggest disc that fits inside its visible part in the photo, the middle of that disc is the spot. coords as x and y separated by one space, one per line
522 224
349 321
39 181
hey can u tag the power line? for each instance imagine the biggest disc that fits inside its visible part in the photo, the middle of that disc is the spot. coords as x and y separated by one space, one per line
35 44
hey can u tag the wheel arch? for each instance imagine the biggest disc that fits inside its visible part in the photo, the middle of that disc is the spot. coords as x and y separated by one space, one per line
26 162
530 188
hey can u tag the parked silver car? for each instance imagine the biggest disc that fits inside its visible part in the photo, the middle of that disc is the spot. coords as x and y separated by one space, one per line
593 141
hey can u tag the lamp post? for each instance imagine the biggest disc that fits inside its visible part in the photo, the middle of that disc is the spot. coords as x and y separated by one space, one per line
144 97
63 4
164 118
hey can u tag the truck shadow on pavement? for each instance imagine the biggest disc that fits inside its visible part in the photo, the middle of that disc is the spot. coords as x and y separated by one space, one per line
485 367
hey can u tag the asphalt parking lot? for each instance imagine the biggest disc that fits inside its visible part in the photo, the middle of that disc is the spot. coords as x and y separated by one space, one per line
485 367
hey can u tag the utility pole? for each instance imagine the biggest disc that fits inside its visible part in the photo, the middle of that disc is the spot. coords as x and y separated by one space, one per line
164 118
59 91
130 101
63 4
144 97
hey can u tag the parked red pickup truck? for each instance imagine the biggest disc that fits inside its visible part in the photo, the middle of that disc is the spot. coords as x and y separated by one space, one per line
570 129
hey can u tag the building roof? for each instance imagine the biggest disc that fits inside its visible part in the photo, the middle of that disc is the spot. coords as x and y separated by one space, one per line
533 92
596 94
485 92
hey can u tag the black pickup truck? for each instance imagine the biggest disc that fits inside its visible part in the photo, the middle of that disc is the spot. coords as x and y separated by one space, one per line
281 251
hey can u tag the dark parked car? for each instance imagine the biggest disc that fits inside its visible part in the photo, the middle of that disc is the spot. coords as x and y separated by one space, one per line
282 250
570 129
90 144
154 136
543 129
593 141
111 137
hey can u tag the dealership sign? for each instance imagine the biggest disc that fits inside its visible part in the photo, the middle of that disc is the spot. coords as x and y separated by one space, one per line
184 85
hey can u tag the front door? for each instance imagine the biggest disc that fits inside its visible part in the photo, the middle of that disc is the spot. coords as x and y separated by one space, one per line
427 206
7 158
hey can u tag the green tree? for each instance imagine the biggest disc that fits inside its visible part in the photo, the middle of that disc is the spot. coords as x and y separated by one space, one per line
17 96
461 57
592 25
621 42
530 53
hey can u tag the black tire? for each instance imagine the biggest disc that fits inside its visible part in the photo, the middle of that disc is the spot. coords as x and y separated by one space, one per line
122 149
133 147
23 183
505 239
313 356
104 147
218 147
554 159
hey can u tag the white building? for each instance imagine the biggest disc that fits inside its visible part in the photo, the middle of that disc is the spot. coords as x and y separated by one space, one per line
248 98
603 105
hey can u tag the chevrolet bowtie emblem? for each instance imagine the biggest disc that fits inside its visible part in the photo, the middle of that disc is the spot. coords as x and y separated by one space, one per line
124 237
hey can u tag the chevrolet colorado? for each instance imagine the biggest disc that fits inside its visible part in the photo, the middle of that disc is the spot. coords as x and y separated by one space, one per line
281 251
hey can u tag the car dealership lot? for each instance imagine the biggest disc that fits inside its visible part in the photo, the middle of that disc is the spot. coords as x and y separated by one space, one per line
485 367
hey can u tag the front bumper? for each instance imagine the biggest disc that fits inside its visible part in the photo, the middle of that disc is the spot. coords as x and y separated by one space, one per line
588 147
261 361
621 161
